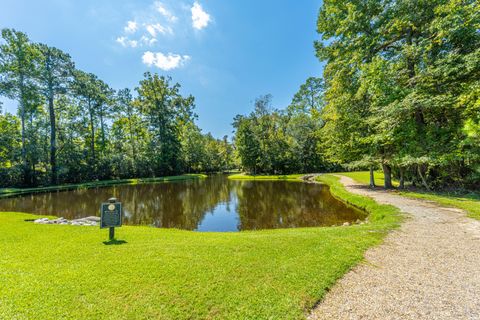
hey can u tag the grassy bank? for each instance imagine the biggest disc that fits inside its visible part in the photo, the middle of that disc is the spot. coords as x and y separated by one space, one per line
364 177
51 272
8 192
242 176
470 202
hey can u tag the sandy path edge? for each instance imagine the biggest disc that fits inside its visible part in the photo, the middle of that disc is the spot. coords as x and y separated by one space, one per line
429 268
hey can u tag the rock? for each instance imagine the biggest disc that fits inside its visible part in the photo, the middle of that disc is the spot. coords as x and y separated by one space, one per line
92 218
346 224
41 220
88 221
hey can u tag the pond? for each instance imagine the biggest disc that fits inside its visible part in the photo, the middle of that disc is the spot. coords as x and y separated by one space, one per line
212 204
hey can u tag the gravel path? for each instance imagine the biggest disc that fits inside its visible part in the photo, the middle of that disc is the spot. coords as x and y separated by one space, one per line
427 269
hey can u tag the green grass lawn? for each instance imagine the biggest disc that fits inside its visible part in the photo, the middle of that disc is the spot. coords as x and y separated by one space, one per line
67 272
8 192
242 176
364 177
470 202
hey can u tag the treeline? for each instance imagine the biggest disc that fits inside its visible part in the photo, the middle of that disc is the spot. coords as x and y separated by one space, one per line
401 93
72 127
283 141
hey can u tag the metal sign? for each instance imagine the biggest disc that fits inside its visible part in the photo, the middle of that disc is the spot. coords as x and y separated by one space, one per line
111 214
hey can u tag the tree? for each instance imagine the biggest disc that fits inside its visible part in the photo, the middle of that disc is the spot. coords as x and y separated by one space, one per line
248 146
54 78
389 68
160 102
17 69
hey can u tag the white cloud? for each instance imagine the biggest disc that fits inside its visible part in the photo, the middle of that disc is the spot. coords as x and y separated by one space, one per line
148 41
165 62
125 42
200 18
131 27
164 12
153 29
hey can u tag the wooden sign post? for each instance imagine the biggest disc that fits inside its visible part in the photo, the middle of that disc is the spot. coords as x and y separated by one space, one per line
111 216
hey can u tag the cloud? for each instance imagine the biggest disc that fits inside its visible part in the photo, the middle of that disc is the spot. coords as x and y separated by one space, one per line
166 62
125 42
148 41
131 27
164 12
153 29
200 18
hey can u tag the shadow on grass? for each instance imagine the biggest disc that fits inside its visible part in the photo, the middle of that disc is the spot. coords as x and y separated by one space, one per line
114 242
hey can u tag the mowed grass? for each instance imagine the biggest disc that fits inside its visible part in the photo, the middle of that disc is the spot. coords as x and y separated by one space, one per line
242 176
364 177
8 192
470 202
67 272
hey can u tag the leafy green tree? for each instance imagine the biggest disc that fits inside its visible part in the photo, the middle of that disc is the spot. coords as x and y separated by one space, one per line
393 84
55 69
9 146
17 69
248 146
159 102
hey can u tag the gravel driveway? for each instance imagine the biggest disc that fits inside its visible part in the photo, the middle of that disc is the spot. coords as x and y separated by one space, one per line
427 269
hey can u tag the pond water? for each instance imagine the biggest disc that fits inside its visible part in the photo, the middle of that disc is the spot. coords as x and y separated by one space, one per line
212 204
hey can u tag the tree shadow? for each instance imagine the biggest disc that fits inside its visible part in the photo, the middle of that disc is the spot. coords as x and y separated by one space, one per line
114 242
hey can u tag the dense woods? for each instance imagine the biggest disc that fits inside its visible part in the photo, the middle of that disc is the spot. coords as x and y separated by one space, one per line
72 127
401 92
283 141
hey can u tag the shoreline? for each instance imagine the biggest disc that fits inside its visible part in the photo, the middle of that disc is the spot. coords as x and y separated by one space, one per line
13 192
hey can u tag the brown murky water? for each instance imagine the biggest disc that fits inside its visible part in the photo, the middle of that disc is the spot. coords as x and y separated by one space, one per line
212 204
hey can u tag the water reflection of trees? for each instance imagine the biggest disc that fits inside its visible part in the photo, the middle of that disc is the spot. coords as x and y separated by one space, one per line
184 204
180 204
276 204
176 205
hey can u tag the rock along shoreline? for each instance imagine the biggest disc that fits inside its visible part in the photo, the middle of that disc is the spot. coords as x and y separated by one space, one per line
88 221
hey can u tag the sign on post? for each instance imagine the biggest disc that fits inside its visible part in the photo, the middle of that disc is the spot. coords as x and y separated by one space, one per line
111 215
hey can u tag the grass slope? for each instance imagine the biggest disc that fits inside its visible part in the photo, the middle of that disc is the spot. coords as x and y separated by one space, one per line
242 176
8 192
364 177
67 272
470 202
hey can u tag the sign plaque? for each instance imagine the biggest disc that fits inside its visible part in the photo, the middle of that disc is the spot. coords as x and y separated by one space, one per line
111 215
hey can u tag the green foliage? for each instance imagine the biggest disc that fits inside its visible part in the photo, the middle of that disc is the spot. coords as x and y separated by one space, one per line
241 176
401 86
274 141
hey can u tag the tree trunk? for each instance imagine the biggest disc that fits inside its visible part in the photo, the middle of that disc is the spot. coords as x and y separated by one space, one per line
372 178
132 141
26 167
53 140
424 181
402 179
387 172
418 114
92 131
102 129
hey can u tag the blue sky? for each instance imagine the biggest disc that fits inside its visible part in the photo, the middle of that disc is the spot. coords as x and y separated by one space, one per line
225 53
